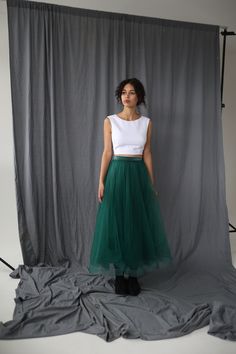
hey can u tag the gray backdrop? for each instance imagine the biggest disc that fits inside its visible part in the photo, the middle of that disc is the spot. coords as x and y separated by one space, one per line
65 64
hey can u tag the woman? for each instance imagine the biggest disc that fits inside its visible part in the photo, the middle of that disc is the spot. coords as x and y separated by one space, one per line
129 237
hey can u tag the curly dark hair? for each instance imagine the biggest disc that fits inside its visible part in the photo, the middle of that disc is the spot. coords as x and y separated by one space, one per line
139 89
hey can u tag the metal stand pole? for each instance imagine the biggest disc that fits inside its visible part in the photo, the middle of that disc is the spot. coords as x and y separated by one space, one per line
2 260
224 34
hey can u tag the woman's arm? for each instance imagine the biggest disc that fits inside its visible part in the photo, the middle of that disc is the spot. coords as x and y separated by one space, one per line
147 154
107 151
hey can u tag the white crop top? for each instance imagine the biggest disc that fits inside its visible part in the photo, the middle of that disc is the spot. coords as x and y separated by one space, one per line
128 136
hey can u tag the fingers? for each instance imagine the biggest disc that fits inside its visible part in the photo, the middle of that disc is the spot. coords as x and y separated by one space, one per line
100 197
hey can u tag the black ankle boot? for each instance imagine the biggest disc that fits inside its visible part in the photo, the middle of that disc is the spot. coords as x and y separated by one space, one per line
133 286
121 285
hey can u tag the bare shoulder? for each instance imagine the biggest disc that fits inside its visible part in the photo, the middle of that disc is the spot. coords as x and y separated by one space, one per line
107 119
107 124
107 136
149 124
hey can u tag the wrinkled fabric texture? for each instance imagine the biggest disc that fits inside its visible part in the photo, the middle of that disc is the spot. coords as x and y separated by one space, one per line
65 65
58 300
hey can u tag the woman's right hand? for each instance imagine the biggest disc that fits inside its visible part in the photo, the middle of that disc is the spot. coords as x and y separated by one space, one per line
100 191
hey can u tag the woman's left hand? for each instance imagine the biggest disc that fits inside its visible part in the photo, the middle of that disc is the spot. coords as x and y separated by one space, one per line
155 191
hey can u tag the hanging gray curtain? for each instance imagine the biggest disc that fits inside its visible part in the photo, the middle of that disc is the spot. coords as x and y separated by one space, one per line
65 64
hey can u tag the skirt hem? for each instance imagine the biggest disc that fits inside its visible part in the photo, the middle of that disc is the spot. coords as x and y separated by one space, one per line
112 270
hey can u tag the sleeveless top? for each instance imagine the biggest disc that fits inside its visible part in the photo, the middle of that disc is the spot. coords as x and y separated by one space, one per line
128 137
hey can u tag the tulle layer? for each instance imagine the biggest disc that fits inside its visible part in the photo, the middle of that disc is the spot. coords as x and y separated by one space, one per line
129 235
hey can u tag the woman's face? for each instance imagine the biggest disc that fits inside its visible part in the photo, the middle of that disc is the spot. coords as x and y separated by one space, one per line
129 97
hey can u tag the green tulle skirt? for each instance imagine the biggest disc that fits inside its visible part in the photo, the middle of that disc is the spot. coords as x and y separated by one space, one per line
129 235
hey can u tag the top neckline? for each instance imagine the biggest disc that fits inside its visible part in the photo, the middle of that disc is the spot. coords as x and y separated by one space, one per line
133 120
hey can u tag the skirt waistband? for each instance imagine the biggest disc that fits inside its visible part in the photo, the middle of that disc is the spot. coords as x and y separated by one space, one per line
129 158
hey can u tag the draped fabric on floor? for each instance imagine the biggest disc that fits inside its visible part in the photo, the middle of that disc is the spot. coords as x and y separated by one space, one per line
65 64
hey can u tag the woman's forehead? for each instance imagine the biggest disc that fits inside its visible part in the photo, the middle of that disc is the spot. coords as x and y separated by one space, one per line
131 88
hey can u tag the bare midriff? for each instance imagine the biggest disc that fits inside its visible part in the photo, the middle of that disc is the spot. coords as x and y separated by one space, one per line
130 155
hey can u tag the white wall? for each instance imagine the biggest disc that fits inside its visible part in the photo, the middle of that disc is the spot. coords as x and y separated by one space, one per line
203 11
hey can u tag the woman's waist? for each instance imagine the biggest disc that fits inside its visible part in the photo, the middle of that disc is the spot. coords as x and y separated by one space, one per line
127 157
